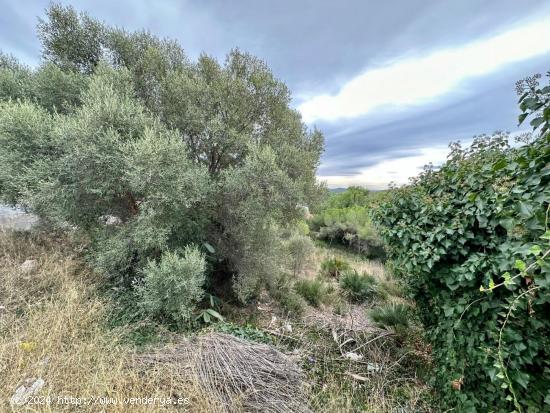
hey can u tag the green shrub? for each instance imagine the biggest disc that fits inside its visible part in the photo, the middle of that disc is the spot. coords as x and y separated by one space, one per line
469 240
300 251
293 303
301 227
334 267
345 218
281 290
172 287
358 287
393 315
314 291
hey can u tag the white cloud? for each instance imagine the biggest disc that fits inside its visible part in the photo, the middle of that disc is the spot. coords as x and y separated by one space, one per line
390 170
413 81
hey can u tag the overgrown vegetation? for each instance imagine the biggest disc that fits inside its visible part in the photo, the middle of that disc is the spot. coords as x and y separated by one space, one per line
54 327
315 291
176 195
359 287
393 315
344 218
118 137
334 267
471 239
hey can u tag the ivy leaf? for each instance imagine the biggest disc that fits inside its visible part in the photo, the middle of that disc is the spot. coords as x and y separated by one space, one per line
535 250
502 163
525 210
523 97
520 265
535 123
521 118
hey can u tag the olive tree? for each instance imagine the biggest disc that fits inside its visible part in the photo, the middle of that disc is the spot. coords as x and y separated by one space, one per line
120 136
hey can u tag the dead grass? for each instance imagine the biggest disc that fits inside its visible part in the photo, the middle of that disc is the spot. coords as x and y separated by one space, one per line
52 326
354 366
241 375
366 371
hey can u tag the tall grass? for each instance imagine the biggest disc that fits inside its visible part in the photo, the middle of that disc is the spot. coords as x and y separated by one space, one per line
52 326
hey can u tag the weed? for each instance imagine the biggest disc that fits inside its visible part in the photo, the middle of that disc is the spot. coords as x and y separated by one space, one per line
247 332
334 267
314 291
393 315
359 287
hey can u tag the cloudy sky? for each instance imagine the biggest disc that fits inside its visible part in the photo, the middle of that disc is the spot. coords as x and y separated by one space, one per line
390 83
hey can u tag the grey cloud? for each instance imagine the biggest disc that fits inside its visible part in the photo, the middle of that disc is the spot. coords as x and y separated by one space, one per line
484 106
316 46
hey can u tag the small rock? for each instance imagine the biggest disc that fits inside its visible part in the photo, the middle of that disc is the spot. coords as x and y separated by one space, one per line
288 327
27 390
374 367
29 266
353 356
110 220
273 321
44 362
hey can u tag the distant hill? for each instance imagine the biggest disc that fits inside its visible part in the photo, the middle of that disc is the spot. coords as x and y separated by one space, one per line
338 190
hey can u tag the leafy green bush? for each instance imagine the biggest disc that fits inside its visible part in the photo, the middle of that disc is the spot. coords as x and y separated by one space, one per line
334 267
393 315
314 291
292 302
172 287
358 287
480 222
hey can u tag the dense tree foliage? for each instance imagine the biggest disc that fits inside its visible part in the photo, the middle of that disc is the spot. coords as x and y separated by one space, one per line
472 241
118 136
345 218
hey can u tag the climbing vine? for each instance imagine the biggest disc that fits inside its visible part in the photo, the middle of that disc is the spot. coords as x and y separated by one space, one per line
471 241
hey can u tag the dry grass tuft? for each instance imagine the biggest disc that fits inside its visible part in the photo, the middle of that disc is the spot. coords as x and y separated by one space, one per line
239 375
382 377
52 326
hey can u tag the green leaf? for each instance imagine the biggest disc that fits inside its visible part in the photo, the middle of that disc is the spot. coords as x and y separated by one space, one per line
215 314
520 265
536 122
535 250
209 247
521 118
523 97
525 210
